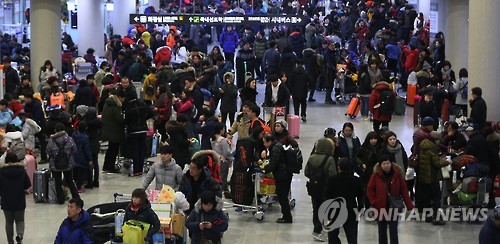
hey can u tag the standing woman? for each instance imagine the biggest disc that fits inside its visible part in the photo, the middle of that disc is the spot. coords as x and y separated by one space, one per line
249 91
163 107
349 143
387 180
367 158
222 146
461 86
393 147
229 96
364 90
13 183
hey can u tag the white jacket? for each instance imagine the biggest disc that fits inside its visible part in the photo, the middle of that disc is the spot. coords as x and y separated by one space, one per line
30 128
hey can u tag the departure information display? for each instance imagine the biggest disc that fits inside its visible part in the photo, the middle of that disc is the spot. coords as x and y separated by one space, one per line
215 19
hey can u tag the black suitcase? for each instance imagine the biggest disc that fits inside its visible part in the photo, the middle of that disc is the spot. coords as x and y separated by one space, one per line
41 185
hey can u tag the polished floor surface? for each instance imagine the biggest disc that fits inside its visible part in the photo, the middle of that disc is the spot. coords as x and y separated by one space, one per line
43 220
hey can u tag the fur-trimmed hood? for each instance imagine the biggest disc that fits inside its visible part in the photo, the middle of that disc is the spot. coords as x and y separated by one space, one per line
113 100
218 206
18 164
215 156
378 170
58 134
230 74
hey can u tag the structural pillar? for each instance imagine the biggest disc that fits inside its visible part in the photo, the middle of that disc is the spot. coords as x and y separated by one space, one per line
45 42
91 26
457 34
484 36
119 17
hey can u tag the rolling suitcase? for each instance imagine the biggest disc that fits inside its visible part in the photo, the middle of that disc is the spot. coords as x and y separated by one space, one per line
41 186
353 108
293 125
410 94
399 108
30 169
416 110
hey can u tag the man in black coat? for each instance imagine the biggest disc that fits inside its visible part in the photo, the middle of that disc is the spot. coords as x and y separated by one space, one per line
11 77
33 109
476 145
272 59
478 108
346 185
299 84
128 88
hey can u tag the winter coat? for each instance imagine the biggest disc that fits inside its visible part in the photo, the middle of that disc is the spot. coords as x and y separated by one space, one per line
377 193
13 182
98 77
83 154
348 186
163 105
30 128
150 80
459 86
288 62
146 215
478 112
222 146
364 82
165 76
94 125
430 164
136 115
11 136
162 53
283 96
113 123
323 147
228 41
34 111
207 79
476 146
277 162
248 94
343 150
203 42
297 42
169 174
311 63
299 83
84 96
309 34
260 47
62 139
241 126
183 106
367 154
215 216
375 99
11 80
418 136
78 232
5 117
271 61
206 130
229 98
206 183
16 107
178 140
385 151
493 141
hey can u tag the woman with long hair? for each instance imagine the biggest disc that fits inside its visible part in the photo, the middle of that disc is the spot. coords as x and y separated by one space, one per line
139 209
222 146
349 143
249 91
393 147
367 158
47 70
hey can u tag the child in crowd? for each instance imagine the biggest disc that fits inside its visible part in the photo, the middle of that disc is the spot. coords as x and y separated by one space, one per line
207 221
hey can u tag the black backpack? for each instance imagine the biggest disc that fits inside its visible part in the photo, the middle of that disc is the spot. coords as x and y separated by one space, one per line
317 182
61 160
294 159
387 106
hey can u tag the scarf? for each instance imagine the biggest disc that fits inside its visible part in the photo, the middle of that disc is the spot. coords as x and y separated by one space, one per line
135 207
398 156
274 92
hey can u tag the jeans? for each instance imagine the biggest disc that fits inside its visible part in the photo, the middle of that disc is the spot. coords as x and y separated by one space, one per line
10 218
111 154
376 124
316 222
365 107
300 102
282 191
138 145
382 232
68 177
224 117
350 229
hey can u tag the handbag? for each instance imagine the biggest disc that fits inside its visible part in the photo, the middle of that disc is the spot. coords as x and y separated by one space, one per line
445 172
395 202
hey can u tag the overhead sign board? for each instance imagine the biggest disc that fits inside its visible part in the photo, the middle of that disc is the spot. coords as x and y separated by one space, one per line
206 19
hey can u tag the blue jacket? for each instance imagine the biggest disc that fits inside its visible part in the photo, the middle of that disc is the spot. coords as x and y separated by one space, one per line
206 130
228 41
83 154
77 232
5 117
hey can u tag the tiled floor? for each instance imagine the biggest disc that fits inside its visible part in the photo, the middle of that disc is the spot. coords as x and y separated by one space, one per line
43 220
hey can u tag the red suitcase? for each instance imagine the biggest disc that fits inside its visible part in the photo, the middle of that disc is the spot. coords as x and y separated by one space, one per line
416 110
31 166
293 125
353 108
410 95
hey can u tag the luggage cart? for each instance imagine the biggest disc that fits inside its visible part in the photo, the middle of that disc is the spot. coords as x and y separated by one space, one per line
272 114
82 70
345 85
104 218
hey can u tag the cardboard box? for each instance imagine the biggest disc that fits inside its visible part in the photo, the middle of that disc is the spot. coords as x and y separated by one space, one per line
178 223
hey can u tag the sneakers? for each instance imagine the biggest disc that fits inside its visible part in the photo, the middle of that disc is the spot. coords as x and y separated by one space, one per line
81 190
311 100
319 237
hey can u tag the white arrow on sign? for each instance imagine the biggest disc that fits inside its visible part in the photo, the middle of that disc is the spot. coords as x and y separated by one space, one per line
190 19
136 19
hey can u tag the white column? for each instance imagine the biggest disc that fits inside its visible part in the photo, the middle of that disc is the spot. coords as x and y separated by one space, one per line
91 26
457 34
45 42
484 36
119 17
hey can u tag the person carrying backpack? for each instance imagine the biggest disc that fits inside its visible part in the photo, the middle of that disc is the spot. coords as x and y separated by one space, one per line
319 167
60 149
382 104
13 142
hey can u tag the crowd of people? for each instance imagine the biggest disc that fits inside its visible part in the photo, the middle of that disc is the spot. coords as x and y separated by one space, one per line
183 85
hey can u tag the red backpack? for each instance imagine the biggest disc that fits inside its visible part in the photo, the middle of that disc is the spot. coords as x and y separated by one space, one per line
214 169
266 127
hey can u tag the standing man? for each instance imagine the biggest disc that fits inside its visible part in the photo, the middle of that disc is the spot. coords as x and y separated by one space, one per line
229 41
478 108
11 77
331 56
271 61
260 46
277 165
76 228
34 111
299 84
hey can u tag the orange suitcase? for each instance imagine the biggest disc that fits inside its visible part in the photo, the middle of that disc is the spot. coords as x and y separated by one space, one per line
410 95
354 107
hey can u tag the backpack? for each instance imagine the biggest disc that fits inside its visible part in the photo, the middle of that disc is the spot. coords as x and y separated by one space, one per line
150 90
214 169
294 159
387 105
17 147
61 160
317 181
266 127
